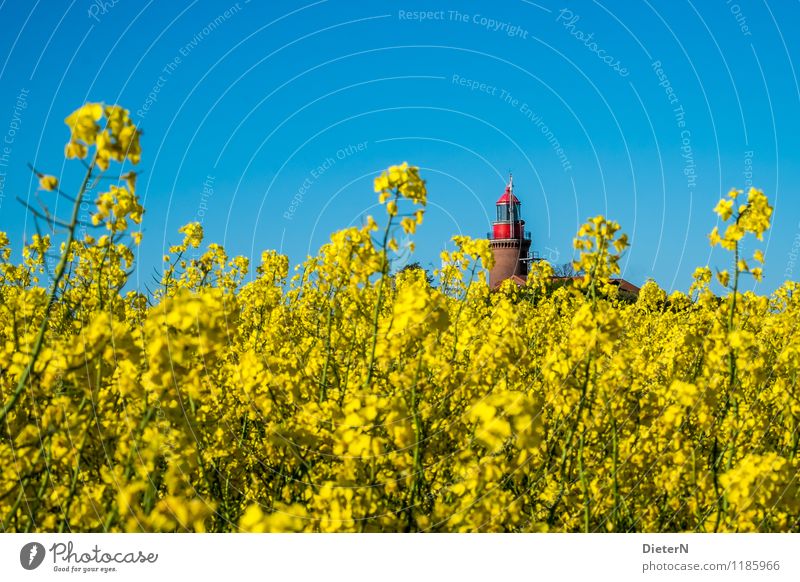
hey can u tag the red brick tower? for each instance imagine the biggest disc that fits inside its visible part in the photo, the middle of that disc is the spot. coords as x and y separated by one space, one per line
510 242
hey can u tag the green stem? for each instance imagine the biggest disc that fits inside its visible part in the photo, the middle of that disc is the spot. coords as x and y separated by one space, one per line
584 486
323 389
615 456
51 298
376 313
418 436
563 474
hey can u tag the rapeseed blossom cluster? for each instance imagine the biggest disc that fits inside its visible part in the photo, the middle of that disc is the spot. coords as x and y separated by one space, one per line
342 397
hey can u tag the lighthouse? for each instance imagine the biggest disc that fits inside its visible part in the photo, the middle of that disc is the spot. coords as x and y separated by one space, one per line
510 243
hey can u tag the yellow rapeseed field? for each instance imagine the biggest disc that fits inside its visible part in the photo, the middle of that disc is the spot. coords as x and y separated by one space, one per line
341 397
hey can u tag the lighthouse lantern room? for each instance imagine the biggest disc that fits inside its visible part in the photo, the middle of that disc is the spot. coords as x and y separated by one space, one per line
508 223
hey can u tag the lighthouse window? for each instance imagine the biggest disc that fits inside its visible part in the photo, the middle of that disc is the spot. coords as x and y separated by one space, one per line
514 212
503 212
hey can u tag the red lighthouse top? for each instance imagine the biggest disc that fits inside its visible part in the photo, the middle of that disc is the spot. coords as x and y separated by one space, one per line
508 225
508 195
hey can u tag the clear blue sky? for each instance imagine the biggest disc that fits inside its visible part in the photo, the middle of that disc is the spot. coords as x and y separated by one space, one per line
253 97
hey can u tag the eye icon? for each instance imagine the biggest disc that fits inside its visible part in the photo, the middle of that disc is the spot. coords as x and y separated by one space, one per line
31 555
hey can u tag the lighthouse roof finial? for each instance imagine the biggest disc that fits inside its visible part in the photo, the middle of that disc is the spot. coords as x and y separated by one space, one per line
508 196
